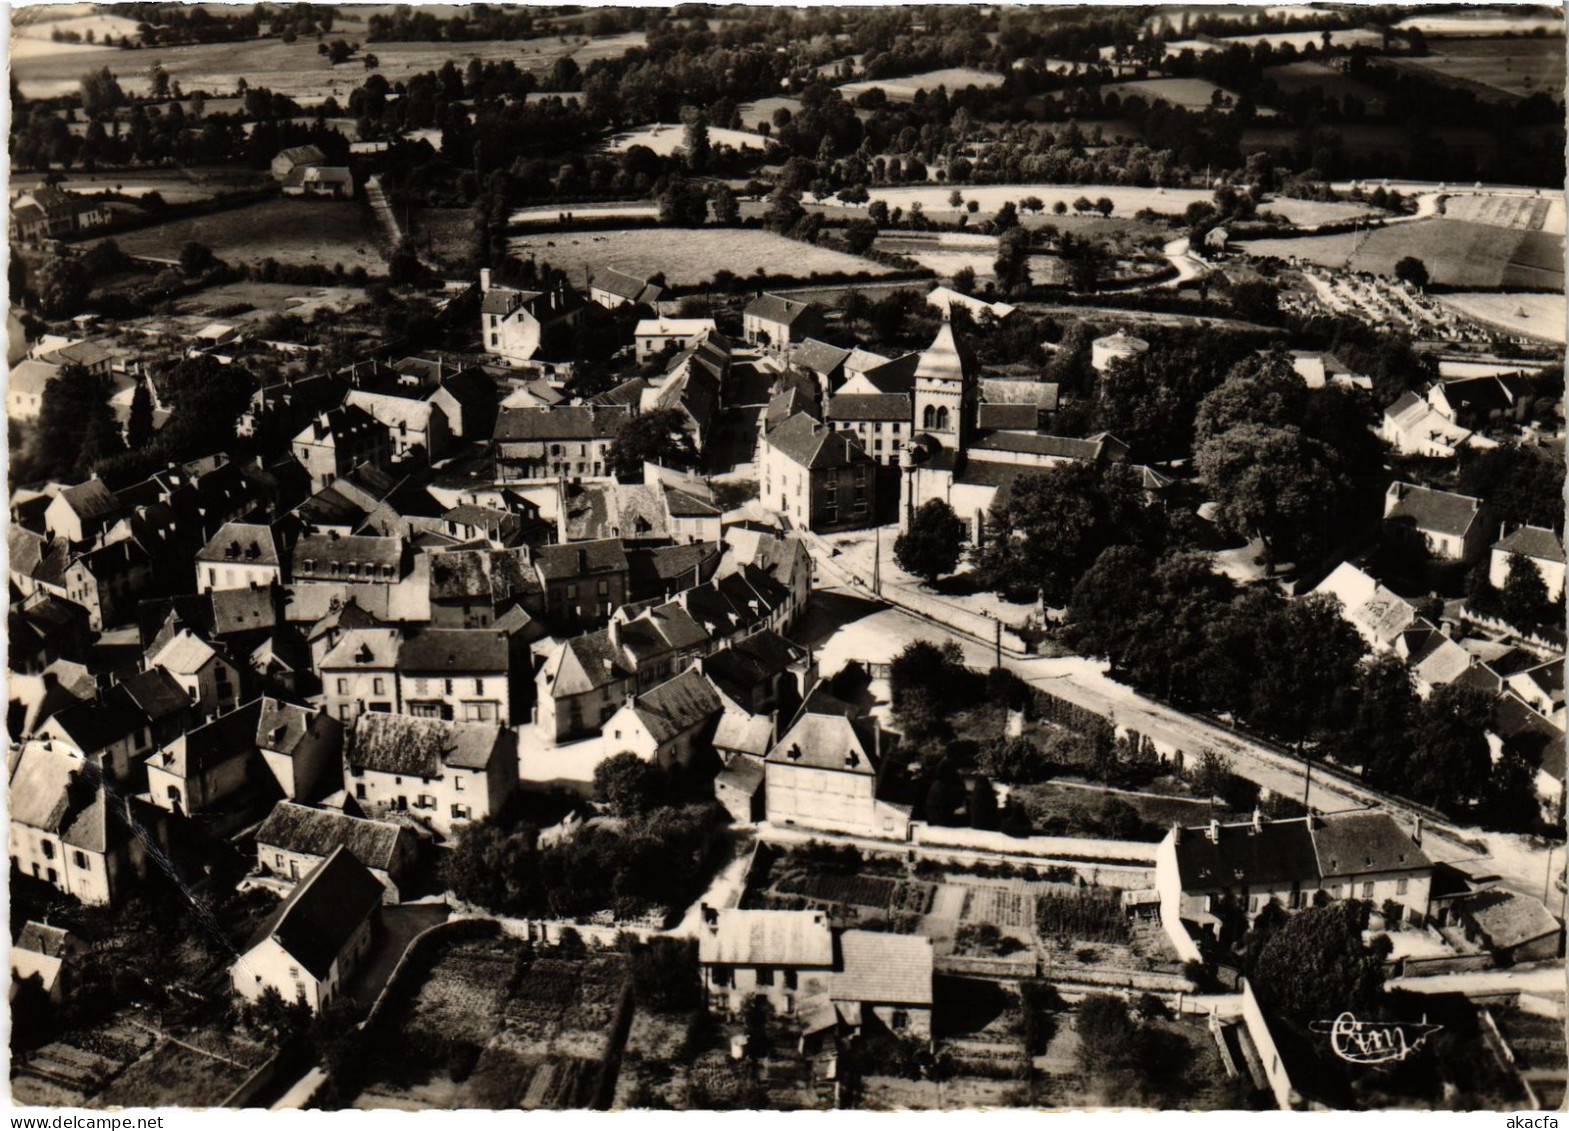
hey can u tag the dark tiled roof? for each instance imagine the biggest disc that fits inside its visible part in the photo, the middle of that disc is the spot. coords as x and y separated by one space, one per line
323 912
315 554
1442 511
774 308
677 705
243 543
682 505
402 744
1021 417
896 376
622 285
91 500
750 662
566 422
1029 443
813 445
1354 843
153 692
870 406
225 737
97 726
1008 390
819 357
1276 852
316 832
1533 542
454 650
581 559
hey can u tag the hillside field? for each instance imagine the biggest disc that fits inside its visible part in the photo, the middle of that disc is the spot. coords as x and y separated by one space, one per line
1535 315
302 232
1504 69
1457 253
688 256
903 88
295 69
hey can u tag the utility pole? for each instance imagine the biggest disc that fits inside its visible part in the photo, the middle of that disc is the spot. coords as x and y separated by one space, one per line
877 561
998 649
1307 781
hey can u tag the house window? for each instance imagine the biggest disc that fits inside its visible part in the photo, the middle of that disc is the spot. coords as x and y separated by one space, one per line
765 976
721 977
378 686
479 687
461 812
457 784
48 850
343 686
604 588
1402 886
359 791
79 858
901 1019
424 801
277 859
1367 890
447 686
789 979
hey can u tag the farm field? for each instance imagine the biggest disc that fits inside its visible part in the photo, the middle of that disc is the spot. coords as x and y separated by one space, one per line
619 209
1537 213
689 256
903 89
295 69
1342 37
1482 21
298 232
763 110
267 299
1190 94
1456 253
1535 315
1506 69
175 186
950 252
664 138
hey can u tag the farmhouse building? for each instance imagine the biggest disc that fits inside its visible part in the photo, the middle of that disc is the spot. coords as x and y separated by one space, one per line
652 336
298 157
614 289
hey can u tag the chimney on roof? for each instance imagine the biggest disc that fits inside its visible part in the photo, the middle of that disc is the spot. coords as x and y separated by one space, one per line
484 279
1214 831
1416 832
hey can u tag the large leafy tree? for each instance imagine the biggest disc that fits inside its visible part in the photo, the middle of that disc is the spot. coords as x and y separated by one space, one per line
652 437
931 547
1378 735
1451 760
1525 601
1309 655
63 287
629 785
1051 526
1521 485
1315 966
1274 483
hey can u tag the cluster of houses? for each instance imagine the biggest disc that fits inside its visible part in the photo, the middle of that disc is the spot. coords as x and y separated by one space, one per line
49 212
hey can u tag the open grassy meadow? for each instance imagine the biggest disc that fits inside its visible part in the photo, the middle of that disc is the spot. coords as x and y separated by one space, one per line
1457 21
1190 94
664 138
302 232
1457 253
295 69
176 186
1535 315
688 256
1537 213
1501 69
903 88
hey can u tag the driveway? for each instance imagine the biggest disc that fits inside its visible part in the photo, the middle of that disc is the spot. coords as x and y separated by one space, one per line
399 925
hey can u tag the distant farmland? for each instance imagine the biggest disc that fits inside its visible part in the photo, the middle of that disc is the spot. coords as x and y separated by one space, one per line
1503 69
1456 253
903 89
301 232
688 256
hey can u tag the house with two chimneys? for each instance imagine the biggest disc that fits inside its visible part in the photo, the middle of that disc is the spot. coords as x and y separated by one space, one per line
1223 874
516 325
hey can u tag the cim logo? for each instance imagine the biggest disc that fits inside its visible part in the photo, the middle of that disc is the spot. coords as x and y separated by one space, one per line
1374 1042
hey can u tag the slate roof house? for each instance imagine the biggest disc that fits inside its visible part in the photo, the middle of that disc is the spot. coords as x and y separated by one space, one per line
443 774
774 322
1209 875
1538 545
612 289
295 838
667 724
1455 526
309 948
822 773
817 478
